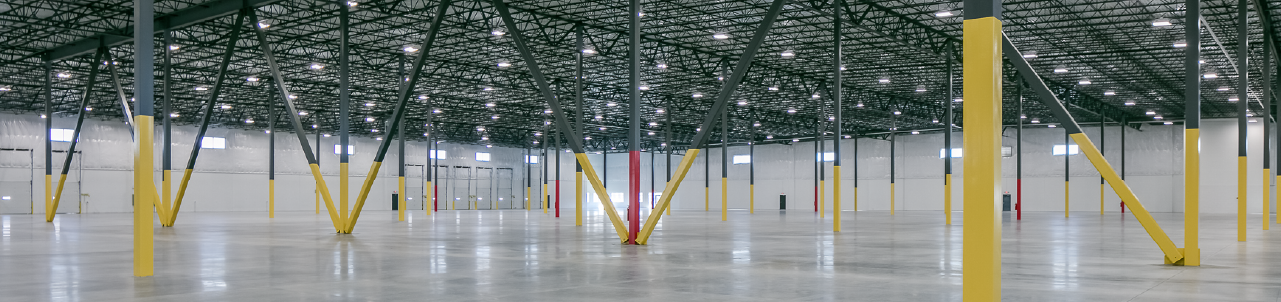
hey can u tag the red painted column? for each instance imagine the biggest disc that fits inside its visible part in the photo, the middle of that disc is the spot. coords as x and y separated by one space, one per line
1018 204
435 205
633 206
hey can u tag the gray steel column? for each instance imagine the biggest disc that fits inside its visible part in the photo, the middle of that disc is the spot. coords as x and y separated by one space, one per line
271 141
166 151
344 87
556 149
948 118
604 167
818 161
120 89
400 133
542 197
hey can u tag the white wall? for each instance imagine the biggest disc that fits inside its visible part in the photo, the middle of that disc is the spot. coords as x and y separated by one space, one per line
233 179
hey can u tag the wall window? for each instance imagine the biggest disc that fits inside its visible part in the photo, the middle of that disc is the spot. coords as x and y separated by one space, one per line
1007 151
1069 149
61 135
482 156
531 159
351 149
956 152
213 142
742 159
438 154
827 156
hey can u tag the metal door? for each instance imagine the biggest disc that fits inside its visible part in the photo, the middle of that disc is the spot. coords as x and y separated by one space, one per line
414 181
485 199
17 186
506 194
460 188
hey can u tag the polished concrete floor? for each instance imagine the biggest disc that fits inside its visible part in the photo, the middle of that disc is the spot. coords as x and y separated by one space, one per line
531 256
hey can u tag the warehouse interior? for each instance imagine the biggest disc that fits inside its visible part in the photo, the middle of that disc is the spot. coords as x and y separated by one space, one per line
639 150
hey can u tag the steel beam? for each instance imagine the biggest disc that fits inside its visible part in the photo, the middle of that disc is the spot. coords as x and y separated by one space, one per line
120 91
291 110
562 123
195 14
1018 161
1051 102
344 112
52 208
399 113
722 98
166 149
271 161
169 213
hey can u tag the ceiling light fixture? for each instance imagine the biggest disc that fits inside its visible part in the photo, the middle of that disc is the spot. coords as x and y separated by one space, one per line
720 36
1031 54
1180 44
788 54
1159 22
369 119
1109 93
944 14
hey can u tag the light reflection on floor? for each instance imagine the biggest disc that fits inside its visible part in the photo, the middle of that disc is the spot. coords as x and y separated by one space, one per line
528 255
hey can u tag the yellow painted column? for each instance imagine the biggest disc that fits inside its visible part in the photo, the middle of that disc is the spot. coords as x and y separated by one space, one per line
578 198
724 199
822 198
1192 197
1267 197
529 198
48 192
707 197
546 198
165 181
947 198
1066 191
342 190
144 189
429 198
1278 201
982 143
1242 194
836 198
751 199
402 203
856 198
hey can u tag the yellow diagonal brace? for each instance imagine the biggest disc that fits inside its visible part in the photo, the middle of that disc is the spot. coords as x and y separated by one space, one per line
324 192
604 196
360 199
162 209
171 214
1149 224
50 209
664 201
